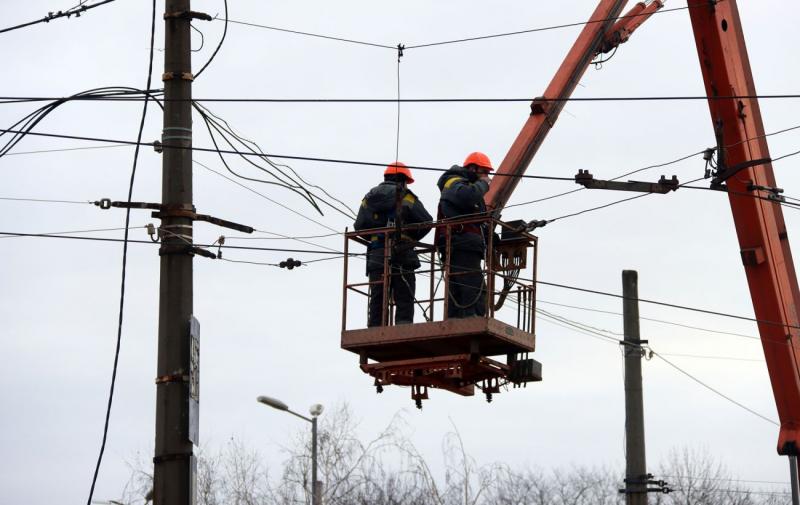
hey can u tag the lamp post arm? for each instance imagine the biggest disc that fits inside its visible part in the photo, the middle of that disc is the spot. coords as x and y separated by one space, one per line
301 416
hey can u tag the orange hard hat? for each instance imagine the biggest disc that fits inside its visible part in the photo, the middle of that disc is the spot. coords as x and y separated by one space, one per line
399 168
479 159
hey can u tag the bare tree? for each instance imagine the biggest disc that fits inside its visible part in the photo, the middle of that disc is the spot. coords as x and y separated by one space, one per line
390 470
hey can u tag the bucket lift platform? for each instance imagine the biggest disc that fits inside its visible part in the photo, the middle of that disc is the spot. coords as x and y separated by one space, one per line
454 354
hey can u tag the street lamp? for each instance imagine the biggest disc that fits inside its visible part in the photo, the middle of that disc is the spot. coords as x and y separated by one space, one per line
315 411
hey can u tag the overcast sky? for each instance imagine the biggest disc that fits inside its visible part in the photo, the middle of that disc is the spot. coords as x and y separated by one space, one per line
271 331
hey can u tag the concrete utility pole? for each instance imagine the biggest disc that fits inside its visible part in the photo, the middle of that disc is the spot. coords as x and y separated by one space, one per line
635 464
176 392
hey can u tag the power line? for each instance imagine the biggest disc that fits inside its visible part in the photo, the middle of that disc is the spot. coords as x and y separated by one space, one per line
665 304
545 28
219 46
86 148
149 242
298 239
279 204
42 200
704 356
672 323
92 230
285 237
726 190
455 41
252 248
716 391
595 334
309 34
76 11
262 155
124 258
465 100
660 165
784 483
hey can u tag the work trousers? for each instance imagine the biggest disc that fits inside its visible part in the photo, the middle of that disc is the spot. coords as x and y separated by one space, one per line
467 287
402 285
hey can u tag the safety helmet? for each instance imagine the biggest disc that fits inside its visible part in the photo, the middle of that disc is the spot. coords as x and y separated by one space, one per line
399 168
479 159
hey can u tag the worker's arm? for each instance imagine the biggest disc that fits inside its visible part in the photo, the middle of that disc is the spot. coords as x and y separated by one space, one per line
466 196
364 217
415 212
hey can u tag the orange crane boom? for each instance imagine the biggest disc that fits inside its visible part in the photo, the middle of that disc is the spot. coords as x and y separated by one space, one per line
741 151
604 31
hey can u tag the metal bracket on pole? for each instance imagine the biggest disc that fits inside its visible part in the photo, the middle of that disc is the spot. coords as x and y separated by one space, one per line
187 211
168 76
724 173
663 186
647 480
188 15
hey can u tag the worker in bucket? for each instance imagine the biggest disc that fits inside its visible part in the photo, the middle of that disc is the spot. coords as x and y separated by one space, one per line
462 190
392 204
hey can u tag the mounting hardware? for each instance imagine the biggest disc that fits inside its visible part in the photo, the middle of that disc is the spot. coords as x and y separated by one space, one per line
103 203
663 186
290 263
168 76
151 230
188 15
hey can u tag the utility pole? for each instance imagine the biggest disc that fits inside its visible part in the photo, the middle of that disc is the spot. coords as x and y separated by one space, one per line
174 473
636 477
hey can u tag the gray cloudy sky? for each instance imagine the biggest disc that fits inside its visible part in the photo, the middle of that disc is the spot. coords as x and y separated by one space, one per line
276 332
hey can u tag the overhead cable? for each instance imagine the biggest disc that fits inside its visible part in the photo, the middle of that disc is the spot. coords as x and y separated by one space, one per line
75 11
279 156
706 356
66 149
71 232
672 323
664 304
309 34
454 41
219 45
546 28
43 200
124 260
278 171
713 390
279 204
594 334
467 100
149 242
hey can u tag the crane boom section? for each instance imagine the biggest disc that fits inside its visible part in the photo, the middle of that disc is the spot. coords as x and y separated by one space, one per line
544 113
759 223
604 31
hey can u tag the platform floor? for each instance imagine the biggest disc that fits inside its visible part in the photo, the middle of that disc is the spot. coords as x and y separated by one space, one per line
438 338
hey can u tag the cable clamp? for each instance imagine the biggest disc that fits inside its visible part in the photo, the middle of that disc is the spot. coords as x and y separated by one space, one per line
103 203
541 105
187 15
167 379
168 76
290 263
400 49
172 457
185 249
